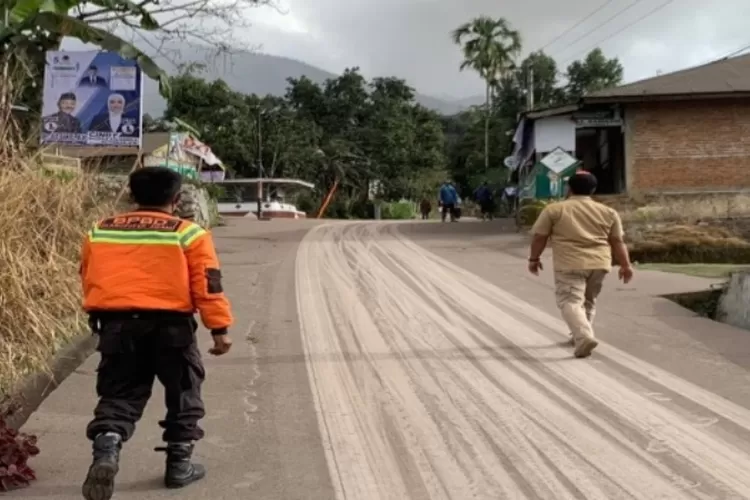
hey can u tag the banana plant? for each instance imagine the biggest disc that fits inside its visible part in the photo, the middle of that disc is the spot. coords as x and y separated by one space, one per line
25 18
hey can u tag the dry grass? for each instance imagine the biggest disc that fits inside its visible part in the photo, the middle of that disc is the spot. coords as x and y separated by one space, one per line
43 216
688 208
689 228
687 244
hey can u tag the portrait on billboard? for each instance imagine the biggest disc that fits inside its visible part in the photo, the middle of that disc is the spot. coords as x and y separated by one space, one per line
91 98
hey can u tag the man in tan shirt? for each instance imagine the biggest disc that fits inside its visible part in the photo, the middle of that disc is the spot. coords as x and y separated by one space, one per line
585 235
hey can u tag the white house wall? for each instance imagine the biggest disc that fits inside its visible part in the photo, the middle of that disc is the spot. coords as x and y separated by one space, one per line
555 132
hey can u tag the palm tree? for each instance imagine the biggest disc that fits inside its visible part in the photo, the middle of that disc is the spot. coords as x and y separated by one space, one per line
490 47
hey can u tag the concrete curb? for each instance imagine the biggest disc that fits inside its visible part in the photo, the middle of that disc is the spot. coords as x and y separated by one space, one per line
35 389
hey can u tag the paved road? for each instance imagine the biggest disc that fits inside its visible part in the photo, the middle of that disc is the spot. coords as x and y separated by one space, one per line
431 383
371 369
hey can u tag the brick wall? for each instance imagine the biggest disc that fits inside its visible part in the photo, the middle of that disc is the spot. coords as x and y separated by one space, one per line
690 145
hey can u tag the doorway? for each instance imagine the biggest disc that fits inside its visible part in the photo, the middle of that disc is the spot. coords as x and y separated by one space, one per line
601 150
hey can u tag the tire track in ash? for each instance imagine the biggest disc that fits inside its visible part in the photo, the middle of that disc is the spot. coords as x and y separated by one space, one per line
431 383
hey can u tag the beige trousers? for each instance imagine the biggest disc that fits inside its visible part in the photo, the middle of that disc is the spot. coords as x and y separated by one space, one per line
576 293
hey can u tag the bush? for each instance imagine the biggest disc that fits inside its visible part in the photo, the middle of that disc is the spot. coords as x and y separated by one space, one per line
307 203
529 211
398 211
15 450
362 209
682 244
337 209
215 192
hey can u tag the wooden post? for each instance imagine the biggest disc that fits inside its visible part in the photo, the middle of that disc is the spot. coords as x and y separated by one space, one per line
327 200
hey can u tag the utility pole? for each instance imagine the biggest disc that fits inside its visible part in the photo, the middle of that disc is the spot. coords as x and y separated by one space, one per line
260 161
531 89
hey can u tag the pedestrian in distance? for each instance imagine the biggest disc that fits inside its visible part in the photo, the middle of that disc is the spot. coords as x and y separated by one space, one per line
584 236
144 274
425 207
486 200
448 197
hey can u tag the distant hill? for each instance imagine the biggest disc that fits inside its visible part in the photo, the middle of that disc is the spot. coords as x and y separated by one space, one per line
262 74
253 73
467 102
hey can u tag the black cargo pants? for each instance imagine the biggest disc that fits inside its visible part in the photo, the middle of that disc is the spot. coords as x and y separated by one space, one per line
135 349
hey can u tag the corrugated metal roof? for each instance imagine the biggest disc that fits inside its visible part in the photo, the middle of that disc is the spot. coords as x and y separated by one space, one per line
553 111
721 78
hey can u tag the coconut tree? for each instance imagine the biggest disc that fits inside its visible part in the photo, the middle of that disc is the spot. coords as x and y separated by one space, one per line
489 47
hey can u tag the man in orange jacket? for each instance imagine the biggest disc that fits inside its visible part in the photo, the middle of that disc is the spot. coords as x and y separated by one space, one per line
144 275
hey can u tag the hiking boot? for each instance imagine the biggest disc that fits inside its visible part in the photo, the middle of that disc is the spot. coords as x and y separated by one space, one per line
584 347
100 480
181 471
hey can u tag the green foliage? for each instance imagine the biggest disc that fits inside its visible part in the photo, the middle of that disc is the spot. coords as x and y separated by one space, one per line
547 89
60 175
307 202
32 26
214 191
398 211
489 47
347 130
529 211
594 73
467 134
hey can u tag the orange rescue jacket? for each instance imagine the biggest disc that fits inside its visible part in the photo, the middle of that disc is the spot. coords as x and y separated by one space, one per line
144 261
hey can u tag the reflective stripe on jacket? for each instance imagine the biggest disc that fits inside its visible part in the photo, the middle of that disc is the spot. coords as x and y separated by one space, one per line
153 261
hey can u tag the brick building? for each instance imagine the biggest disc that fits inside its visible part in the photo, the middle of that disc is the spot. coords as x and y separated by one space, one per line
682 132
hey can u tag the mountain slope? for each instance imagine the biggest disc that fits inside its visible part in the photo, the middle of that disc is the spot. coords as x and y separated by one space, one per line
259 74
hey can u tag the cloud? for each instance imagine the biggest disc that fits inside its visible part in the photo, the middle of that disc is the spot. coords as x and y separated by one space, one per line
411 39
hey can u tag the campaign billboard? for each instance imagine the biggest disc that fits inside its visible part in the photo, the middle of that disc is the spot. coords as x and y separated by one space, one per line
91 98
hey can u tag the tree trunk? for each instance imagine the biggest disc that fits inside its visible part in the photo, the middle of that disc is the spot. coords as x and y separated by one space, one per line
487 128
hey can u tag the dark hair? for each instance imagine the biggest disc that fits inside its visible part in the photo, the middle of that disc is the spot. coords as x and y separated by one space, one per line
93 67
154 186
67 96
582 183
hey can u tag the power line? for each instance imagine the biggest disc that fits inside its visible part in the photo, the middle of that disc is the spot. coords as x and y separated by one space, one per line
735 52
627 26
613 17
580 22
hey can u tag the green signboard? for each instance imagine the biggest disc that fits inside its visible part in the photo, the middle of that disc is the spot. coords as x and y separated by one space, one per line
550 184
549 176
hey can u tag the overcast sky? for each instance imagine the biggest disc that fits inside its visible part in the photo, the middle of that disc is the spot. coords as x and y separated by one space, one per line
411 38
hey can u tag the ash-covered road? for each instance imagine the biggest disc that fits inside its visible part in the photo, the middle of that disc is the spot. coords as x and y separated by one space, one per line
431 383
367 367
